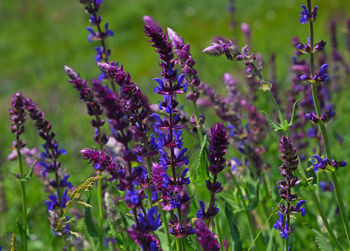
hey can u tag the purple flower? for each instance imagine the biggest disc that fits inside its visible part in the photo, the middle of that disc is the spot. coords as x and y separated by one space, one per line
326 187
205 238
91 35
145 241
201 213
325 117
108 31
217 149
54 202
321 76
321 163
290 164
150 222
100 160
282 226
303 15
179 230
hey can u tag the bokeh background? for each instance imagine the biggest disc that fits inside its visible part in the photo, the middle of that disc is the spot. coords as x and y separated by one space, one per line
38 37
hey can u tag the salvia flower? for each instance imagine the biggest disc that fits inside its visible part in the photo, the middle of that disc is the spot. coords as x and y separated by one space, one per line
205 238
217 148
100 160
290 164
307 48
168 134
320 162
93 107
305 15
321 76
17 112
326 187
146 241
96 32
216 153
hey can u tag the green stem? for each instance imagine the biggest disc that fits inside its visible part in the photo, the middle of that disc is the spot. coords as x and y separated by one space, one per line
24 200
165 220
218 231
178 244
287 244
323 129
277 108
100 210
262 228
240 194
199 128
251 163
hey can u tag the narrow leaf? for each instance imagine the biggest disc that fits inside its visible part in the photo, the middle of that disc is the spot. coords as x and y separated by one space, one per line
322 241
235 236
272 124
202 170
294 111
90 227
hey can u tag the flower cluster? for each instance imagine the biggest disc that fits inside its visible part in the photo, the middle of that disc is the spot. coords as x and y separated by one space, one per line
17 112
205 238
305 15
186 63
96 32
217 151
323 163
290 164
321 76
134 102
307 48
94 108
325 117
92 7
168 139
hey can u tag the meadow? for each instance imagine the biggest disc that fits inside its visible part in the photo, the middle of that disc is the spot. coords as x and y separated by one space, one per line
38 38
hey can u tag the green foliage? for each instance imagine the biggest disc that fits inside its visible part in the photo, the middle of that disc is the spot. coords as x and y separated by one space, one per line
90 227
322 241
203 163
235 236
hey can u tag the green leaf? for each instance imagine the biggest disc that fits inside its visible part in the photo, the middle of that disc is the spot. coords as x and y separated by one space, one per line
235 236
28 175
90 227
271 243
189 245
272 124
291 122
253 195
202 170
322 241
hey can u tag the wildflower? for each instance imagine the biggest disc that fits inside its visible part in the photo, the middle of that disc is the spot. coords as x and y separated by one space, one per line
290 164
205 238
101 161
321 76
305 15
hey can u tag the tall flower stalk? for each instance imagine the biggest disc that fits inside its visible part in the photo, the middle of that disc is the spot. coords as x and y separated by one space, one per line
17 119
289 181
168 137
309 15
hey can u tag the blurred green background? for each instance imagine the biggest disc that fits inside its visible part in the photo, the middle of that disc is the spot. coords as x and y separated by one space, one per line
38 37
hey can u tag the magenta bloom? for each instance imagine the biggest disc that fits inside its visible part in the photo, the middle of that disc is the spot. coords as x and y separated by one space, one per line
205 238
